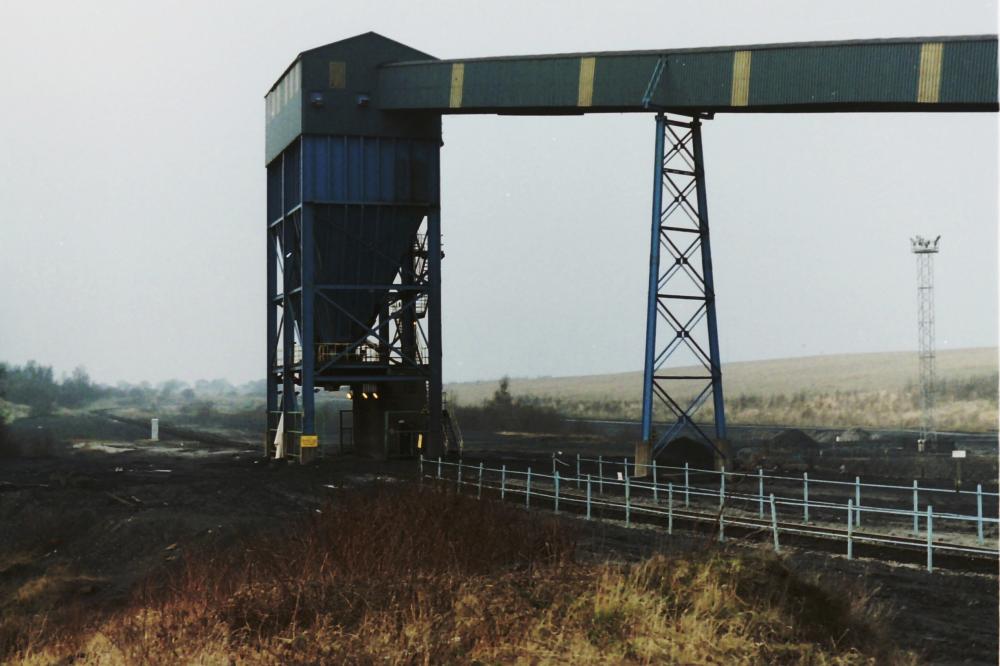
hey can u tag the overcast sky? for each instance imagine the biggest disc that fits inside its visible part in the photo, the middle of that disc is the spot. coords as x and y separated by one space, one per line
132 189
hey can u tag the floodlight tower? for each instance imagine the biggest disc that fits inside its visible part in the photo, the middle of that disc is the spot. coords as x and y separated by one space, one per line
925 249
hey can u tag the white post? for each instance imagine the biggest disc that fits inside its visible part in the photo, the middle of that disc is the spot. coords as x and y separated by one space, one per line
760 492
979 512
439 467
857 501
656 492
850 529
687 486
556 477
527 490
722 525
774 524
458 477
479 490
625 468
805 497
503 481
628 502
578 471
588 497
600 475
670 507
916 508
722 488
421 468
930 538
154 429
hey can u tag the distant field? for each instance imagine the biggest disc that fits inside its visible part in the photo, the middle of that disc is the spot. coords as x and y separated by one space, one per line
847 389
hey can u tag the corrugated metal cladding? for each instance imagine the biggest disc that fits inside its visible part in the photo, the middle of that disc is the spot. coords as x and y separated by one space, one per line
368 196
947 73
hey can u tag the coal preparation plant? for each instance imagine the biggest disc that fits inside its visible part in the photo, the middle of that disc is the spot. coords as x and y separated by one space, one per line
354 256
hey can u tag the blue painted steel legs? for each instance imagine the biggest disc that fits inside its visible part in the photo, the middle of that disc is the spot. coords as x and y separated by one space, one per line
654 276
681 294
435 433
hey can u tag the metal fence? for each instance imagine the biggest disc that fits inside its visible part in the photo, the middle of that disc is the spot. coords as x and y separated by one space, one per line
649 496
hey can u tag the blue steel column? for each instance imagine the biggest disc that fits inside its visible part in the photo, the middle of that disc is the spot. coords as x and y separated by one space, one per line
706 266
272 337
307 260
654 276
435 434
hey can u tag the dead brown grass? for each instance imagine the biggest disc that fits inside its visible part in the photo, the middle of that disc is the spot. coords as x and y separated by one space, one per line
409 575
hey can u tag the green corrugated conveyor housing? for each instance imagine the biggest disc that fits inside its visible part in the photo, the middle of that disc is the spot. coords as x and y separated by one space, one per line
912 74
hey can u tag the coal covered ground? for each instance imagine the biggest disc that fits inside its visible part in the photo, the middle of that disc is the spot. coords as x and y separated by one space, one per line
98 518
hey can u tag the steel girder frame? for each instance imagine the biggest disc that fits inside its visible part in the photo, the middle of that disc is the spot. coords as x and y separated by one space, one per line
681 292
291 251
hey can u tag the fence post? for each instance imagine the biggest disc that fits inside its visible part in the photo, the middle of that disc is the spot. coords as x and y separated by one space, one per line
722 488
556 477
578 471
916 508
656 492
930 538
503 481
687 486
628 502
774 525
670 507
553 465
479 490
600 475
857 501
850 529
805 497
439 467
527 490
760 492
979 512
588 497
722 524
421 468
625 469
458 477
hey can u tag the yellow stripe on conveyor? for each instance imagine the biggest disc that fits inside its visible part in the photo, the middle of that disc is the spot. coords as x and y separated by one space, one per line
929 83
741 79
457 83
585 95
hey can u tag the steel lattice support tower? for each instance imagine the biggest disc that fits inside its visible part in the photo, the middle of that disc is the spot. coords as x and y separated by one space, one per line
925 249
681 324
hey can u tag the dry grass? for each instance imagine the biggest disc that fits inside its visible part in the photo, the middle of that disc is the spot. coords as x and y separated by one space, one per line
872 390
404 575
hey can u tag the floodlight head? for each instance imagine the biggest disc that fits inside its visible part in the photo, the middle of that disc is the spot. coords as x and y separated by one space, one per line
921 245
